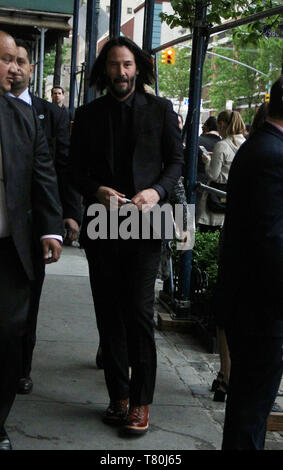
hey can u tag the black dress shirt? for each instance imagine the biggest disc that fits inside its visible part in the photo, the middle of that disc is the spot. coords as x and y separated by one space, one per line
121 122
123 146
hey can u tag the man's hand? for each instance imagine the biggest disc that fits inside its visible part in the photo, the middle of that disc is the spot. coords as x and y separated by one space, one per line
72 229
51 245
146 199
104 193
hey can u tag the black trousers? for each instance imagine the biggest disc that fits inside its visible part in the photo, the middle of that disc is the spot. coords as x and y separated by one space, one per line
29 338
256 372
122 276
14 305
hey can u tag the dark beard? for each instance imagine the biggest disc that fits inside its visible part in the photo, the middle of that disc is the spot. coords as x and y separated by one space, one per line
123 92
18 86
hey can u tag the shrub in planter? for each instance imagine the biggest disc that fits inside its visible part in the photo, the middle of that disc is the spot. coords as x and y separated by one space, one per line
204 276
203 282
205 266
205 259
204 272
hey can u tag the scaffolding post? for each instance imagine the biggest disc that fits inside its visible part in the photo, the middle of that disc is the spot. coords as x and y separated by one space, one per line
91 42
115 18
74 56
41 61
199 45
156 74
58 61
35 82
148 25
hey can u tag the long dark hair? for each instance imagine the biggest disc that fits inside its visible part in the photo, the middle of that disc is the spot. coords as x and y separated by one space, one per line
144 64
259 118
275 108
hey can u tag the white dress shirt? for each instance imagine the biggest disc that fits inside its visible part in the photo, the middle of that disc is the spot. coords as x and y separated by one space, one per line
24 96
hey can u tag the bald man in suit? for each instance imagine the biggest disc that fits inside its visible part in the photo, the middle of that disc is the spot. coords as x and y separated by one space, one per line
29 203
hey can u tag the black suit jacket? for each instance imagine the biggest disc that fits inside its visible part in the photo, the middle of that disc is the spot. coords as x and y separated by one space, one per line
157 147
253 236
56 126
68 112
30 179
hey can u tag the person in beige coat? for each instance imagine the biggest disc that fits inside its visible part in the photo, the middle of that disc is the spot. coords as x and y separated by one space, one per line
231 128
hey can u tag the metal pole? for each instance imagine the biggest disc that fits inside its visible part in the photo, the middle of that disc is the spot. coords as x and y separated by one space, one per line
200 40
97 9
41 61
156 74
58 61
74 56
90 49
115 18
81 83
31 83
35 85
148 25
236 62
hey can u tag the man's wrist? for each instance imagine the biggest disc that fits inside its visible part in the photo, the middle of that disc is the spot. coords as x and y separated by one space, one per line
160 190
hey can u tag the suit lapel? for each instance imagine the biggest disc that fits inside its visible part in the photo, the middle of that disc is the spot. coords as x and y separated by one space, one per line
139 115
42 115
7 141
105 132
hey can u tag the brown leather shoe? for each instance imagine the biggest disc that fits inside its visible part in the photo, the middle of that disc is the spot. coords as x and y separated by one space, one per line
116 412
137 420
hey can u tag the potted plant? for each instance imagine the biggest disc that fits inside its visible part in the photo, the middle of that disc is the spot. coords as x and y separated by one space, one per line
203 282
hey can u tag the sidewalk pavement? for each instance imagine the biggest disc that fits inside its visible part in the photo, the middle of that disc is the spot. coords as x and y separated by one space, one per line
69 396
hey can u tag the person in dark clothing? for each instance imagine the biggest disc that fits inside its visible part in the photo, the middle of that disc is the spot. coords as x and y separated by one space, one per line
126 145
252 279
29 203
56 129
210 134
58 97
209 137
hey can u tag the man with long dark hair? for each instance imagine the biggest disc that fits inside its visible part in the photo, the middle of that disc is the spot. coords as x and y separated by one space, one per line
125 145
